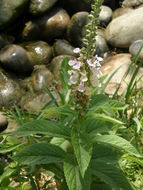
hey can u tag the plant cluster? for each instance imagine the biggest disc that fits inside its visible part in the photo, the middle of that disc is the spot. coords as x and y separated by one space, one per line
87 141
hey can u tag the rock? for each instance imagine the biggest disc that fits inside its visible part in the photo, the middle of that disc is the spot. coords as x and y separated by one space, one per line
63 47
35 102
101 46
76 30
39 80
14 58
5 40
114 62
132 3
10 10
9 91
44 27
122 31
3 122
39 52
105 14
55 66
121 11
38 7
135 47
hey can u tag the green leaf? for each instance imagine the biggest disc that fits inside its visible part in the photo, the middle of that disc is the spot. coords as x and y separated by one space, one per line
82 148
116 105
73 177
6 149
40 153
104 118
110 174
117 142
46 127
98 101
6 174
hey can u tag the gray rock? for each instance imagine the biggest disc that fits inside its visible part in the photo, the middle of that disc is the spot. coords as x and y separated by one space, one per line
41 77
114 62
105 14
10 10
14 58
39 52
55 66
76 30
63 47
121 11
3 122
123 30
135 48
9 91
44 27
132 3
101 45
37 7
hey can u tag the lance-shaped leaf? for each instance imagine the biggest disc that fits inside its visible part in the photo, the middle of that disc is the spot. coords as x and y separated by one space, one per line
73 176
46 127
117 142
40 153
82 148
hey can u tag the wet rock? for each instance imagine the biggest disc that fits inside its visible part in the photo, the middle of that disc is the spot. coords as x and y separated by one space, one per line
121 11
10 10
131 3
135 47
39 52
5 40
101 45
9 91
43 28
55 66
76 30
105 14
63 47
38 7
123 30
39 80
114 62
35 102
14 58
3 122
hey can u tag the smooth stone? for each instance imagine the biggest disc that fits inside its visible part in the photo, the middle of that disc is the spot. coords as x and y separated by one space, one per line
123 30
35 102
76 28
105 14
39 52
113 63
43 28
40 79
9 91
132 3
3 122
135 47
101 32
5 40
121 11
10 10
63 47
14 58
55 66
38 7
101 45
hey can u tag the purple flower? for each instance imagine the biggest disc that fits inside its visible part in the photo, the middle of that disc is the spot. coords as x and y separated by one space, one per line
75 64
76 50
73 77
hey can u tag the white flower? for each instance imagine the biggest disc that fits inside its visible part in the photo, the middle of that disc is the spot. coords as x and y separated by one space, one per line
76 50
73 77
75 64
83 77
81 87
